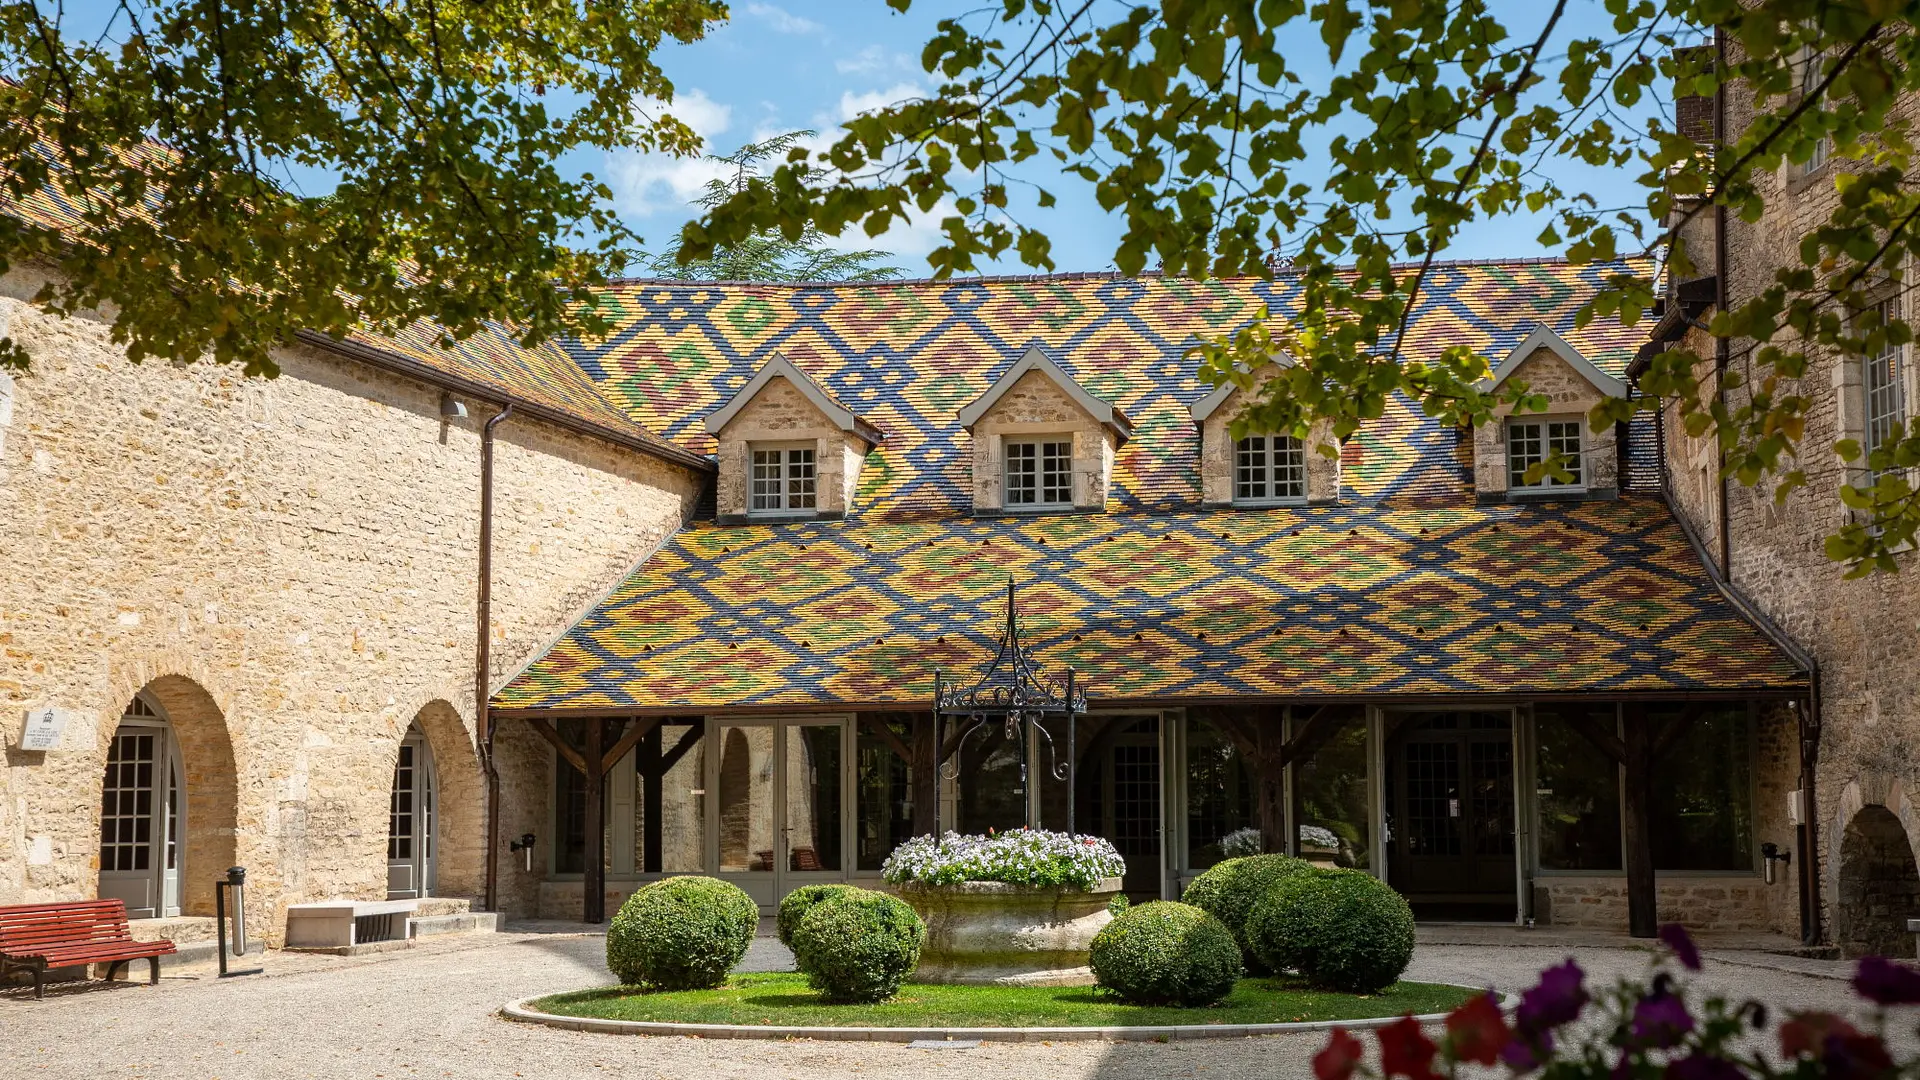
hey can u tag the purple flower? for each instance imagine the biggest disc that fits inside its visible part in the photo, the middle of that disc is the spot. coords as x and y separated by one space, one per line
1703 1067
1675 937
1884 982
1557 1000
1660 1020
1525 1055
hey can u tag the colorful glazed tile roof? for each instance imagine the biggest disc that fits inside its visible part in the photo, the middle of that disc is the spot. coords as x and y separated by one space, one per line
1363 601
1406 587
492 359
907 355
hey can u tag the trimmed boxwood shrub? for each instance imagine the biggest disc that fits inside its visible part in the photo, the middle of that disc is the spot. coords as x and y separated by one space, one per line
1228 890
798 903
1164 953
682 933
1341 929
858 946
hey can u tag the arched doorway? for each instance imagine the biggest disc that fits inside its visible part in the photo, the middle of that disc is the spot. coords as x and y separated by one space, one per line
410 820
1879 886
142 814
168 802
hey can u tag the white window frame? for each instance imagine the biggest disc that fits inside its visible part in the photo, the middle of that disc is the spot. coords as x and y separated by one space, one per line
795 473
1884 402
1548 430
1812 64
1260 462
1018 480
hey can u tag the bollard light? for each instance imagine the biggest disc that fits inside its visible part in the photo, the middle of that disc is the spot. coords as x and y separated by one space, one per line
231 891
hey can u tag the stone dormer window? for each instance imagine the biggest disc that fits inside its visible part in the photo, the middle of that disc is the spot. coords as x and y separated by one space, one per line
787 449
1261 469
1515 445
1042 441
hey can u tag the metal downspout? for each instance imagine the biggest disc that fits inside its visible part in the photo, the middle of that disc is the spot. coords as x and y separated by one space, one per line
482 681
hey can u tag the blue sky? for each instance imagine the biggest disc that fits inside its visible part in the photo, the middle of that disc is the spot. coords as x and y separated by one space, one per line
814 63
780 65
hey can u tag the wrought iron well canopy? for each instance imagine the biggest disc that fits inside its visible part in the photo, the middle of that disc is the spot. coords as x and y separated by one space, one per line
1015 693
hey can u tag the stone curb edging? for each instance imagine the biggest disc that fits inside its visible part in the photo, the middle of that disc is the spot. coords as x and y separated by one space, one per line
521 1012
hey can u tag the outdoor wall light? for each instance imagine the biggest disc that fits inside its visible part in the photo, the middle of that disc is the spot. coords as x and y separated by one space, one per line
1770 854
452 408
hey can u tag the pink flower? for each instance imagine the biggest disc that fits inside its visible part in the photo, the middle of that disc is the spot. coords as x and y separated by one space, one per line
1406 1051
1476 1031
1337 1060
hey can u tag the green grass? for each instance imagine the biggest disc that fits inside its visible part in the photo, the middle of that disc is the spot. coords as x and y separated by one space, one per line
784 999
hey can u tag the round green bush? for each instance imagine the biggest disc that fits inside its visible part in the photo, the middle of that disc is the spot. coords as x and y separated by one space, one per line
1164 953
1342 929
1228 890
798 903
682 933
858 946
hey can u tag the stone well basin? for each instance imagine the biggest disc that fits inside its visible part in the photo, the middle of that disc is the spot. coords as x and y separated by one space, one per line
1020 935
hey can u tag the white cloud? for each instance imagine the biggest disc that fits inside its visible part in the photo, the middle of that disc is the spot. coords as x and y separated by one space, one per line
782 21
645 183
873 59
852 104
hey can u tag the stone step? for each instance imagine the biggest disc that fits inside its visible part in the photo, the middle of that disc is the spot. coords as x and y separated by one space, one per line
443 905
463 922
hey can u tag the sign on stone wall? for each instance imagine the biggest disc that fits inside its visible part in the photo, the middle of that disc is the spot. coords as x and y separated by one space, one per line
45 726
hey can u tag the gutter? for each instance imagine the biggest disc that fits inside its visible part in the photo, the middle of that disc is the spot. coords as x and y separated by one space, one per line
482 658
414 369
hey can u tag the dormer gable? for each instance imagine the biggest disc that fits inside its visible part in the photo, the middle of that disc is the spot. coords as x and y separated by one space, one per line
787 448
1505 449
1041 440
1261 469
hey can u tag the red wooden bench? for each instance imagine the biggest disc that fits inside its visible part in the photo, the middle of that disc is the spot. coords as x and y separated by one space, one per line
40 937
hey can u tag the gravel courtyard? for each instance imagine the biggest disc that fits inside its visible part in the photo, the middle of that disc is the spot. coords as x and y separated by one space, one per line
430 1012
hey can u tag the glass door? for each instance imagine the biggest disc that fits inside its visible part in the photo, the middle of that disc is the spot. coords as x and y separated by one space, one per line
781 792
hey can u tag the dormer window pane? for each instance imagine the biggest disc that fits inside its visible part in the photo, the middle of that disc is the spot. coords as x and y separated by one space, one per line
782 480
1039 474
1530 442
1269 468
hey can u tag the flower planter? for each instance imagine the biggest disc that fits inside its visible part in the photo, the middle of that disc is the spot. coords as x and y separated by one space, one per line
990 932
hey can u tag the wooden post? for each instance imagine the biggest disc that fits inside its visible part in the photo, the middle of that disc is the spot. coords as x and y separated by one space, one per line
653 804
923 775
1643 915
594 901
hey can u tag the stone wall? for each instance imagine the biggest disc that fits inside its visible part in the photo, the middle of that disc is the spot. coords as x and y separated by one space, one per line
1863 632
1720 903
288 566
1033 407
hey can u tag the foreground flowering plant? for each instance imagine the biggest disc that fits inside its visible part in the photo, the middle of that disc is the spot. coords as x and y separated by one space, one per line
1017 857
1638 1030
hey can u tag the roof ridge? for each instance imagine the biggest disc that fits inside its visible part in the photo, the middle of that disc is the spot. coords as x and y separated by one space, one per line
1090 275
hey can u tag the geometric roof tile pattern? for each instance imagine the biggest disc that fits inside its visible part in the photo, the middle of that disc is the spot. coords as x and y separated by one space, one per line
907 356
1390 599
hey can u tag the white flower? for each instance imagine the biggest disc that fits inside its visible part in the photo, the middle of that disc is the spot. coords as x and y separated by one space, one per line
1019 857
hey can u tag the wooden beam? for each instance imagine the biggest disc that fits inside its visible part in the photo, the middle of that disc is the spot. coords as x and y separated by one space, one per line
689 739
1602 739
1643 916
880 727
1313 733
1671 731
636 730
953 742
567 753
594 887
